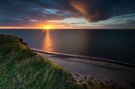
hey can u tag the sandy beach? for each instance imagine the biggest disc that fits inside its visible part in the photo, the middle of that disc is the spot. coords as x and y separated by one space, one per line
84 69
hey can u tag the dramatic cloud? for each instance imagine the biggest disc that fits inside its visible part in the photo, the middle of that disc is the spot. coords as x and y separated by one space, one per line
96 10
30 12
21 12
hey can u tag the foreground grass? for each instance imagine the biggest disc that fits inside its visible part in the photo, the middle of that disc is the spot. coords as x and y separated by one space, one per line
21 68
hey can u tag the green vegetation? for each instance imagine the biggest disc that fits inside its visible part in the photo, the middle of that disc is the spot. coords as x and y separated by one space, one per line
21 68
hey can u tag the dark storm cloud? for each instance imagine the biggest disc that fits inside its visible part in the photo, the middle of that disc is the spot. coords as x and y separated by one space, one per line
96 10
20 12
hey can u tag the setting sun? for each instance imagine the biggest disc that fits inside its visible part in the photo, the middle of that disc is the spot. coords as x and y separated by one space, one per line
47 27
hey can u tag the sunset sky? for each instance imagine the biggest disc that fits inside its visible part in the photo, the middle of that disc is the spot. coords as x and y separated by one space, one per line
68 14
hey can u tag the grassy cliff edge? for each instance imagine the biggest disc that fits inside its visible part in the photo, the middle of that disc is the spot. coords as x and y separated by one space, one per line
22 68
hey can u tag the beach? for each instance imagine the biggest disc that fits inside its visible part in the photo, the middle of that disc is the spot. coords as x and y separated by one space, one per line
94 70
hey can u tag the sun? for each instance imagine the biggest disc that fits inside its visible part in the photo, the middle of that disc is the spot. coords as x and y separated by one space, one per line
47 27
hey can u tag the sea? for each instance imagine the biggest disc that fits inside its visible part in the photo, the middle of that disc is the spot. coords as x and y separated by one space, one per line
115 45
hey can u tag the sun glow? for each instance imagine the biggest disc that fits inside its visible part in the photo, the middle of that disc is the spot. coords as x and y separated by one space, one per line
47 27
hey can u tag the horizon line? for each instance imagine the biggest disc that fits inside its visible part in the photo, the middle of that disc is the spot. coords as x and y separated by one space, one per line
41 28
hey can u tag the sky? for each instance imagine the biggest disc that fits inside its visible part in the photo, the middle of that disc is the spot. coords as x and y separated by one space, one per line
68 14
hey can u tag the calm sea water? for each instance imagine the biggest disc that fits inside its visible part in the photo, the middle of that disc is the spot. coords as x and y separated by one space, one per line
118 45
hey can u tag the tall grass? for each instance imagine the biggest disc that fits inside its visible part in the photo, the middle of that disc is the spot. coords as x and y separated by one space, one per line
21 68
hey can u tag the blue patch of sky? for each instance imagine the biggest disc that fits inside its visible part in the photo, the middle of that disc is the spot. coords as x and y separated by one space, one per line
50 11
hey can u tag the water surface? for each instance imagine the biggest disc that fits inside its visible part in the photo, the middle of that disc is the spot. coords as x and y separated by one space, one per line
118 45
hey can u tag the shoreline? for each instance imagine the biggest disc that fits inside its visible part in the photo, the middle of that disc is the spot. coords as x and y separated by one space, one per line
84 57
84 69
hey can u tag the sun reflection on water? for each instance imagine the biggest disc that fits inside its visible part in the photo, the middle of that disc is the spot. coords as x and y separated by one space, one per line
47 44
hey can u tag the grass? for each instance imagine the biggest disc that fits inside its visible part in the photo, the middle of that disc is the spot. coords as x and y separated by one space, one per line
22 68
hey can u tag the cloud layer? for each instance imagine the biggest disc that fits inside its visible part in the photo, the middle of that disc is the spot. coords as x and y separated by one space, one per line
28 12
96 10
20 12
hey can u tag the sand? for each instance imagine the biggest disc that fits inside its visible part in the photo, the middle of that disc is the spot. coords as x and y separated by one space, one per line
94 70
